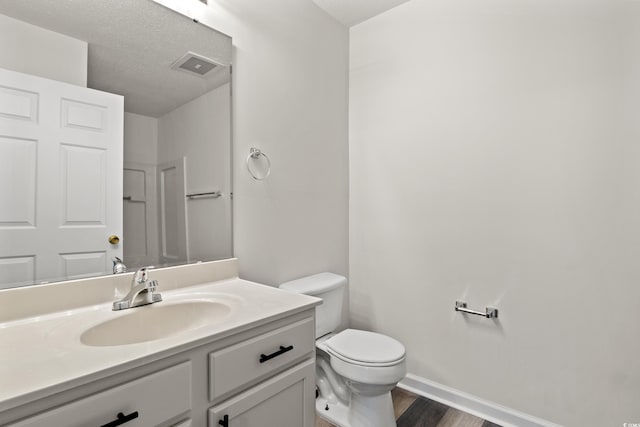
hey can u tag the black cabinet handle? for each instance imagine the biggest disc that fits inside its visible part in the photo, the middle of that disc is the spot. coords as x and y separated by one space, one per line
122 418
224 422
265 357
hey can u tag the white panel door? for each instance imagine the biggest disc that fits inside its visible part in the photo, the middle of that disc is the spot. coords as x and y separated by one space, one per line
173 212
60 178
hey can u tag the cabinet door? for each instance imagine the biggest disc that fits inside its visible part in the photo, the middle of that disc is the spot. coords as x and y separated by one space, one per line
284 400
147 401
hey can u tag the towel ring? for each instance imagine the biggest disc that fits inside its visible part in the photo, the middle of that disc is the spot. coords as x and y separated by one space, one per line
255 153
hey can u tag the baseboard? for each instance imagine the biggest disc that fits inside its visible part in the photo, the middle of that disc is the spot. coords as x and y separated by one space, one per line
484 409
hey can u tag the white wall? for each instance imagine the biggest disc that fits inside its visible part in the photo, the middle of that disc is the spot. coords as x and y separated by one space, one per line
494 158
290 90
33 50
200 132
140 139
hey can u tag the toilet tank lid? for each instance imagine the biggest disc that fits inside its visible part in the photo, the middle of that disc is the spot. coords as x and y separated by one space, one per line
313 285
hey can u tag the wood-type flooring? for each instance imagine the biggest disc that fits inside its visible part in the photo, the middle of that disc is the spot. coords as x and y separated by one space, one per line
418 411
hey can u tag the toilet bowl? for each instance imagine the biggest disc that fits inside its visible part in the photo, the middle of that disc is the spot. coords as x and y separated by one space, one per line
355 369
371 365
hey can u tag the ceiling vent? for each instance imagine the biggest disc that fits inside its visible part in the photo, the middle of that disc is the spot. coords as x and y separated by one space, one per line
195 64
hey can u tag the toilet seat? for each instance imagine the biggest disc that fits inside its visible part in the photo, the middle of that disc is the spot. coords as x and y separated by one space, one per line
366 359
365 348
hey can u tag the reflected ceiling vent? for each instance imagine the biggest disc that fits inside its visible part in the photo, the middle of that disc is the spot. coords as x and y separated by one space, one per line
195 64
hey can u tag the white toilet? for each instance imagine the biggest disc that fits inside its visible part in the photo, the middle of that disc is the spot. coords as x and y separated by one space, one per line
355 370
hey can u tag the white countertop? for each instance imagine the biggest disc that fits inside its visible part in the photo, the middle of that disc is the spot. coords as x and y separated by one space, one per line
42 355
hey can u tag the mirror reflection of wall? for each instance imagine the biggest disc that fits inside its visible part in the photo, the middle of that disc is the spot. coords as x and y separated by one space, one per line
196 135
173 188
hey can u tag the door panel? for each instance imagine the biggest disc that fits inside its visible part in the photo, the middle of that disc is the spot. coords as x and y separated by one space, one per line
81 264
19 193
83 185
18 104
83 116
18 270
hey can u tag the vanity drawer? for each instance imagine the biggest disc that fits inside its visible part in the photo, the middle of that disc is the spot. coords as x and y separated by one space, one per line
259 357
156 398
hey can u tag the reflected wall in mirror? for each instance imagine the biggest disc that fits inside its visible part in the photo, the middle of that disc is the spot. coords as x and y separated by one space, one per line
115 139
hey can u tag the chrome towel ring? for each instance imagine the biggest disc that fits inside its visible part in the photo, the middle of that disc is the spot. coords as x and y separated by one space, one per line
254 154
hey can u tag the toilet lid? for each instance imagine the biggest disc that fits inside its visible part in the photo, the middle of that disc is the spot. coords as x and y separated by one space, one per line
365 347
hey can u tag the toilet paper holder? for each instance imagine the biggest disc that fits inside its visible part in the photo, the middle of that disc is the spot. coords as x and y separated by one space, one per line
489 312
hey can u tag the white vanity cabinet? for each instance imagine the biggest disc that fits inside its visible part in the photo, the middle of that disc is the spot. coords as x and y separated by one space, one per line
261 375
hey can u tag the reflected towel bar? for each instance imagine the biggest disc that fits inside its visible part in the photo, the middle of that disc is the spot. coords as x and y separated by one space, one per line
214 194
489 312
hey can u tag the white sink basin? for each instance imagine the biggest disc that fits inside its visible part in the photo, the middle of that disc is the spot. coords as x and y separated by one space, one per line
156 321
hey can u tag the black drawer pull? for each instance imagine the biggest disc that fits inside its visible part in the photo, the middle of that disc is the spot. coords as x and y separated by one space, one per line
122 418
224 422
265 357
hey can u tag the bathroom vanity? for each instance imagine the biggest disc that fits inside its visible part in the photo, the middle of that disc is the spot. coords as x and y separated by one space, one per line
217 351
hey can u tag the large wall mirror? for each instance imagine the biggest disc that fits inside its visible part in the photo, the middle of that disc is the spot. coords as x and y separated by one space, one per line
115 139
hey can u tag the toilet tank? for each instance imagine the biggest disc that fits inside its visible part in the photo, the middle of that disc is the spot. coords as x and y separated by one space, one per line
330 288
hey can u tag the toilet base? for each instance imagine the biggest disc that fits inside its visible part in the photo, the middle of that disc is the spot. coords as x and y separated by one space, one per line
364 411
337 414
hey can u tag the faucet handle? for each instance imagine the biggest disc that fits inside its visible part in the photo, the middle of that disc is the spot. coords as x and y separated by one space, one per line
141 274
118 266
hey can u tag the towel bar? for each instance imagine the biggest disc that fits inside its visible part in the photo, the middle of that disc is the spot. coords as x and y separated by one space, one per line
489 312
214 194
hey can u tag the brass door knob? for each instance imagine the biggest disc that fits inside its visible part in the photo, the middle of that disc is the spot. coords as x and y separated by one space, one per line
114 240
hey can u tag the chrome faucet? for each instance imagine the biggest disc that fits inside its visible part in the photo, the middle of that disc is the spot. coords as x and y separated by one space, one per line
118 266
143 291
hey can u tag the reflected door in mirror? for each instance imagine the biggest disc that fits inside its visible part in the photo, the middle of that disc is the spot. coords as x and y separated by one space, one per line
60 171
140 245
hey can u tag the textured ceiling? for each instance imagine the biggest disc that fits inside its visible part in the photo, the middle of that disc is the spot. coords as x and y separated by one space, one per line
132 45
352 12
